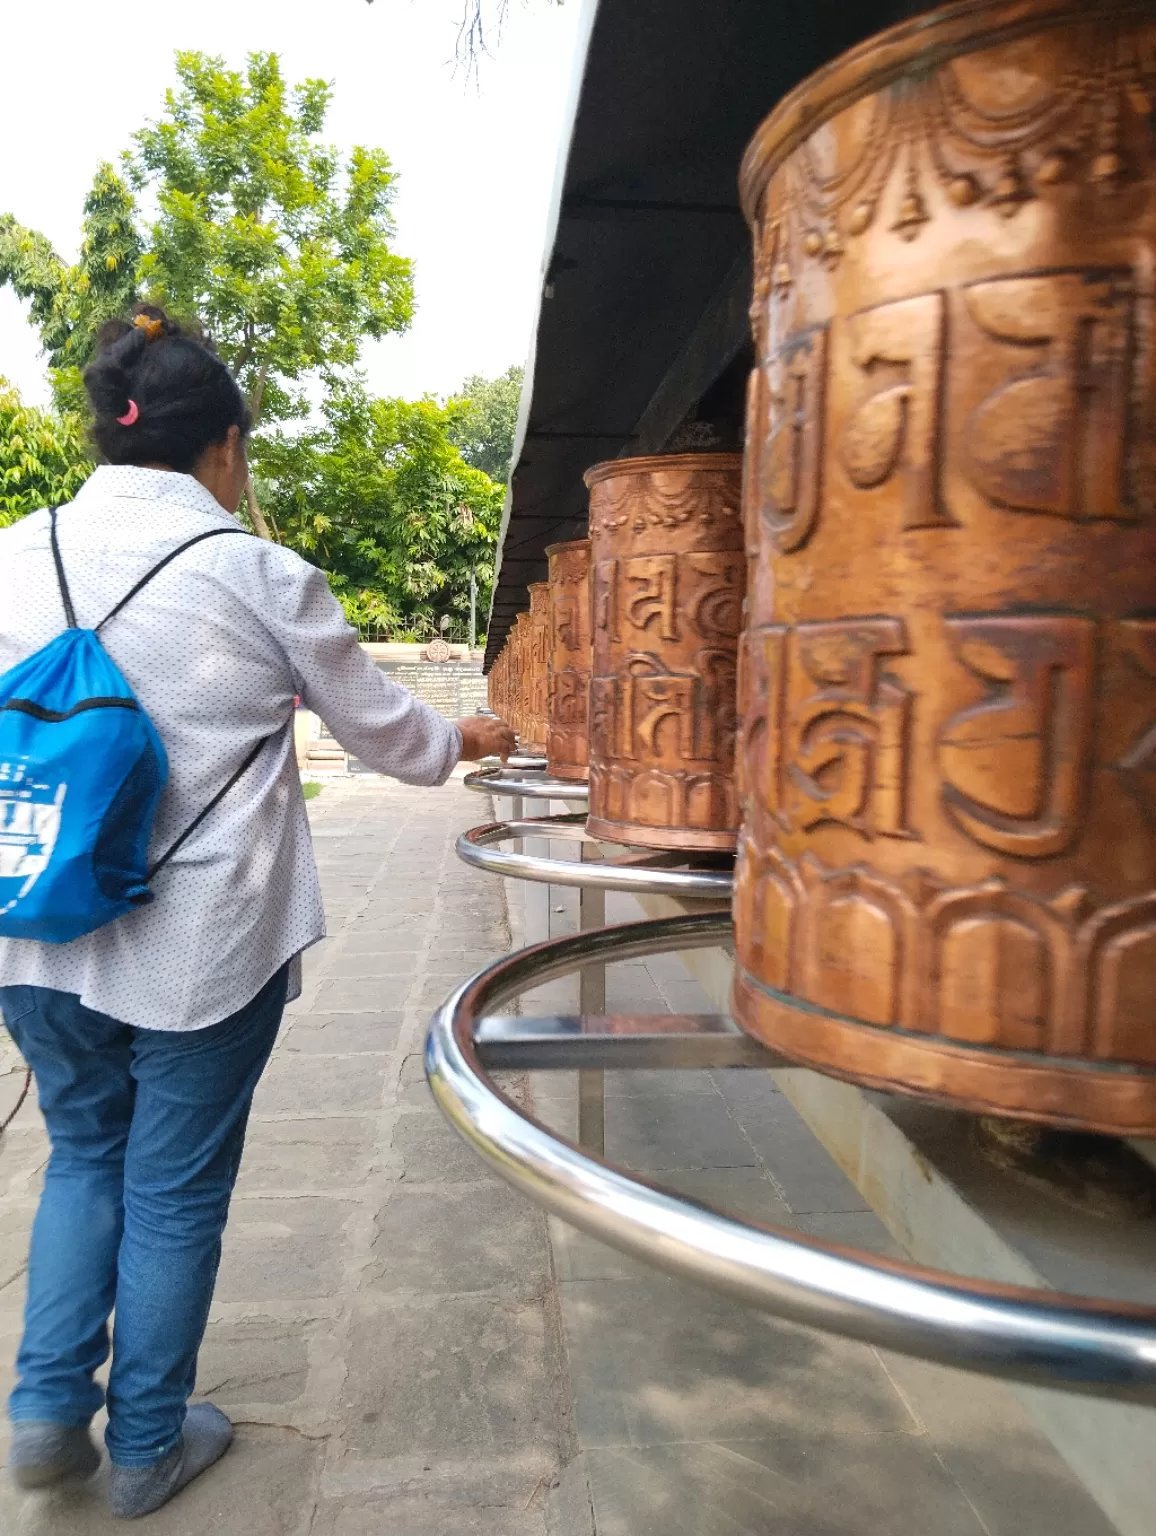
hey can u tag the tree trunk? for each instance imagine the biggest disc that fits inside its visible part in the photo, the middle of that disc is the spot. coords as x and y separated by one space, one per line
258 394
256 516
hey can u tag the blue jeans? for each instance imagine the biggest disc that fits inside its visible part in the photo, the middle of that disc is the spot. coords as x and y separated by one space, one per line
147 1128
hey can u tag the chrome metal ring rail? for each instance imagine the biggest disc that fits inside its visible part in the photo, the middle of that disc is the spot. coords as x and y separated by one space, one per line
533 763
641 873
531 786
1097 1347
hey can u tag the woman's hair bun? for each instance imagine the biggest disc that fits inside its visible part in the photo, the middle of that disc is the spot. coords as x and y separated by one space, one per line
185 396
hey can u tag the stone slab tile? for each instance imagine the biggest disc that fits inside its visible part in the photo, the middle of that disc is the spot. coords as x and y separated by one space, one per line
23 1155
11 1329
323 1153
792 1485
15 1225
455 965
369 939
265 1486
470 1377
745 1192
436 1496
362 994
457 1239
342 1034
394 964
649 1083
252 1360
299 1084
809 1177
632 990
557 1112
432 994
681 1130
685 996
1017 1481
283 1250
655 1361
854 1229
429 1151
412 1087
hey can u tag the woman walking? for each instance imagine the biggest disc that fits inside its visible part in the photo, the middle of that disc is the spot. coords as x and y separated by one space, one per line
147 1035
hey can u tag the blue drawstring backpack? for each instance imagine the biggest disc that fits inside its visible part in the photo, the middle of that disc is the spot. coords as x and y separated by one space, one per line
81 770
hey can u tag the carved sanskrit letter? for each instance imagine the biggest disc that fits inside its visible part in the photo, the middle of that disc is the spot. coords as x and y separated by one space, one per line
894 432
1052 438
604 741
652 696
791 459
567 629
569 705
762 704
650 593
1016 763
850 736
1138 764
606 598
714 607
716 720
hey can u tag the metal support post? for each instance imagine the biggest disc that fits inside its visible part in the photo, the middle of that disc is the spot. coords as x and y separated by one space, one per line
591 1003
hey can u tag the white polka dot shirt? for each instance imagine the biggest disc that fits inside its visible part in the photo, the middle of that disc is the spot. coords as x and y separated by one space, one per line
216 647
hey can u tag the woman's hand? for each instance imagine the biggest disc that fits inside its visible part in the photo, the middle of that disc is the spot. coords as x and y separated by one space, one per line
485 736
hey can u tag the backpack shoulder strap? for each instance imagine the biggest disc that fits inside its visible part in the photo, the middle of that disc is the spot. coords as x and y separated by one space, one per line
210 533
61 579
212 805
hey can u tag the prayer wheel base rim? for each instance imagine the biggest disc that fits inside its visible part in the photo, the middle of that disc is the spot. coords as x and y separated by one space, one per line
572 772
1114 1102
692 839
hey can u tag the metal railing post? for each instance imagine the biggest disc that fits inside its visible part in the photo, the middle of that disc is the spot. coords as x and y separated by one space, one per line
591 1002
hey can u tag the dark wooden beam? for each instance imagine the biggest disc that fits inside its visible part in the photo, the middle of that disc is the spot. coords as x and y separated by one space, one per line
722 331
578 206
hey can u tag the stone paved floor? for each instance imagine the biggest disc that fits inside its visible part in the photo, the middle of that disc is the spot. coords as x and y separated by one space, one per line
408 1348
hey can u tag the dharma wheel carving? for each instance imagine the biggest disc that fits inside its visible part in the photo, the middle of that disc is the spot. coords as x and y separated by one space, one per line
947 869
567 750
667 585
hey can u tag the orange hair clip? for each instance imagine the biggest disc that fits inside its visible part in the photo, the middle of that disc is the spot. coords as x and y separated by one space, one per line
151 328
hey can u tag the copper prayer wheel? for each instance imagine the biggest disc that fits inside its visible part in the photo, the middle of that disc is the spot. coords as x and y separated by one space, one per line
947 871
538 665
504 681
496 690
567 749
668 576
519 679
509 701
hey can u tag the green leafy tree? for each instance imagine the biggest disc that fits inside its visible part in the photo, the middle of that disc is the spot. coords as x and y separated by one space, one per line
485 418
43 458
381 499
279 248
68 304
259 229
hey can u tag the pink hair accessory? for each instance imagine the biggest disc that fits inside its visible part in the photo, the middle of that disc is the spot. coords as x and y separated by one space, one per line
130 415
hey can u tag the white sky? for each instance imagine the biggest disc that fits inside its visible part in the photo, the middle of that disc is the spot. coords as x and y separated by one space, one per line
476 161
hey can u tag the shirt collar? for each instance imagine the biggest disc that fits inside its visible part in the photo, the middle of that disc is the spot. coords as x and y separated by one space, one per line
131 482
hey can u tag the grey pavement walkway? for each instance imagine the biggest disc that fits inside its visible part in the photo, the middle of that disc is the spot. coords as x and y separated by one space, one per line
409 1348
